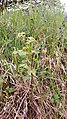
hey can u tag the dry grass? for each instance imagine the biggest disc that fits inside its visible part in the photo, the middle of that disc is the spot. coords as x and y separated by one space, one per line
32 100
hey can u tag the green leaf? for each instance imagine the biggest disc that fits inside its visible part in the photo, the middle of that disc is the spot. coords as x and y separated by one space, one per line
33 71
15 52
11 90
24 66
55 98
29 71
22 53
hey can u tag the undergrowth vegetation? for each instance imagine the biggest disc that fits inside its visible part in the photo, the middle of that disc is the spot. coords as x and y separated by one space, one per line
33 67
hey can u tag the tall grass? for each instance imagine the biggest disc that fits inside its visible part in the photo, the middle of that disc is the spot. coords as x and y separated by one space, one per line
33 63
